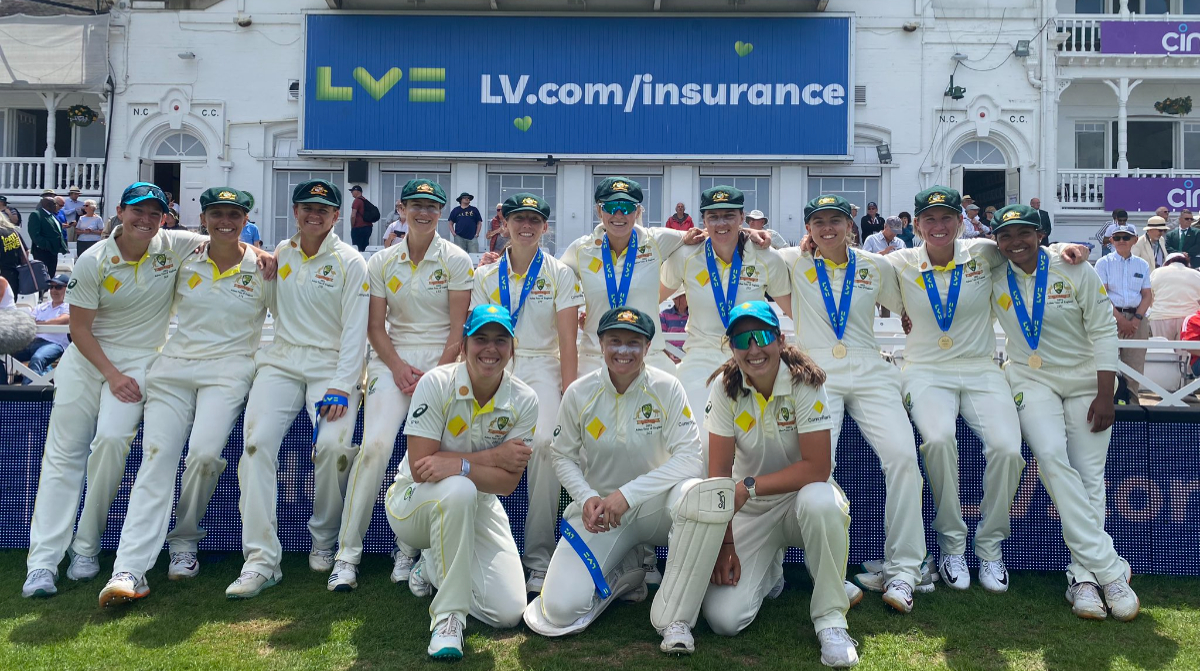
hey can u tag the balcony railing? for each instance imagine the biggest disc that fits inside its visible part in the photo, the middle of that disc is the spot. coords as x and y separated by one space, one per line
1084 189
28 175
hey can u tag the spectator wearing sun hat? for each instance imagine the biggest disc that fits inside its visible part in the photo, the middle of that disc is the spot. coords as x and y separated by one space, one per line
1152 246
466 223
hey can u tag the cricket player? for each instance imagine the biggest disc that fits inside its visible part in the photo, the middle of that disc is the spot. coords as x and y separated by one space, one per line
627 451
469 431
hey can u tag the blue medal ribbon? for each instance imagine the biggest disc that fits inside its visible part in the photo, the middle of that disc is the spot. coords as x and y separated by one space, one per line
589 560
944 315
839 313
330 399
1031 328
619 296
726 298
531 276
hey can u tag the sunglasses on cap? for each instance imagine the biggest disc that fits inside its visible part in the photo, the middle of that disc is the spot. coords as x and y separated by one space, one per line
1122 238
619 207
140 191
760 337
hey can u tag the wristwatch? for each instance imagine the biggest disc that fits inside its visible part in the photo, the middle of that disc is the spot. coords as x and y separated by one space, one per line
466 468
1138 317
749 482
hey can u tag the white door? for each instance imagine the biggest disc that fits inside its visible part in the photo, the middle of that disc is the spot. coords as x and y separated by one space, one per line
191 185
145 170
1012 186
956 178
25 132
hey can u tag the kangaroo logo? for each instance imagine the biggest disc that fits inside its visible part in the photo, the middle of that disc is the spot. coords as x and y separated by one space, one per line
721 500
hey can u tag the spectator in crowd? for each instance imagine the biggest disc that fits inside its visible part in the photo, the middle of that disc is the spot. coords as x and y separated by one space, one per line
887 240
497 240
972 227
360 228
88 229
171 200
12 251
1151 246
758 221
72 208
1186 238
1104 235
250 235
674 319
988 217
46 348
906 233
45 233
1044 216
1165 213
681 220
1176 289
856 234
465 223
13 214
1191 333
396 231
967 202
8 299
872 222
1127 280
171 223
109 225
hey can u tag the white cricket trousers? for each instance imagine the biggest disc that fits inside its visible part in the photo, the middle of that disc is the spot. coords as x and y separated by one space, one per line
590 361
90 432
469 552
697 365
1053 406
815 519
975 388
193 400
543 374
386 408
868 388
289 379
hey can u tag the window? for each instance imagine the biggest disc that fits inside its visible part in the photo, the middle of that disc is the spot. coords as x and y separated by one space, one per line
180 145
501 186
1150 144
978 152
392 184
1146 6
1191 146
281 213
652 198
1089 7
857 190
757 190
1090 146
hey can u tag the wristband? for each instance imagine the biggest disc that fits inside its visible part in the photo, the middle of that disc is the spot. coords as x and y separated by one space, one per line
329 399
466 468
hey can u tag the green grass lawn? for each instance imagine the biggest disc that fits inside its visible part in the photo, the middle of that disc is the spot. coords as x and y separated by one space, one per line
300 625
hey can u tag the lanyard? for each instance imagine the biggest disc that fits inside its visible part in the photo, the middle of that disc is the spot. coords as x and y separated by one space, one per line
531 276
589 560
944 315
618 297
839 314
726 298
1031 328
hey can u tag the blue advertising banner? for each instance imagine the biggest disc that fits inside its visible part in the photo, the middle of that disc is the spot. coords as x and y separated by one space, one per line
775 87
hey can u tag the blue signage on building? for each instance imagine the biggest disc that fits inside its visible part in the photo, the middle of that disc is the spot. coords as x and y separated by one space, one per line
776 87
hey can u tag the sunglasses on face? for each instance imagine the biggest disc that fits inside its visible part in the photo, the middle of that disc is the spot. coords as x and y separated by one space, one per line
1122 238
619 207
762 338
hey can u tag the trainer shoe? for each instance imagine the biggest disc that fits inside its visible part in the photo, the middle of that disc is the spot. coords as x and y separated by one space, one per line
953 570
321 561
677 639
420 587
777 589
344 577
123 588
40 583
83 568
853 593
637 594
837 648
1122 602
993 575
653 575
447 639
535 582
184 565
249 585
899 596
402 565
1084 598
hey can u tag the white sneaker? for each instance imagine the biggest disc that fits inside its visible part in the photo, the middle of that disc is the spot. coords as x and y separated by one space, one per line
83 568
321 561
447 639
123 588
39 582
899 596
419 585
249 585
853 594
837 648
993 575
677 639
636 595
1084 598
534 584
777 589
1122 602
953 570
653 575
402 565
184 565
344 577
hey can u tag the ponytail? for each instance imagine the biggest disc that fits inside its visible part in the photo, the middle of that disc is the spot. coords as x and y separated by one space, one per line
804 371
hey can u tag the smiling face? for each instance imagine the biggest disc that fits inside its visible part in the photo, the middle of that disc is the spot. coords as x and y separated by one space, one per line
1185 219
223 222
619 224
723 225
939 226
757 361
525 228
1123 243
141 221
1018 244
315 219
624 351
421 214
487 351
830 229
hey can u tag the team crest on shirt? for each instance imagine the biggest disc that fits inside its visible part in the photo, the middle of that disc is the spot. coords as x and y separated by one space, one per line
862 279
1059 291
648 419
244 285
438 279
324 276
498 428
908 402
644 253
785 418
541 290
162 265
1019 400
750 276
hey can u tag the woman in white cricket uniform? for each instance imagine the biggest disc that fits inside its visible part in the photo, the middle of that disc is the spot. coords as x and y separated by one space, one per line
627 450
314 364
1064 394
543 296
834 291
420 291
769 427
199 383
469 431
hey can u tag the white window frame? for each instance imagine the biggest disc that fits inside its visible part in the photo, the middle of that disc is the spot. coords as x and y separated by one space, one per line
643 175
1103 124
280 220
756 202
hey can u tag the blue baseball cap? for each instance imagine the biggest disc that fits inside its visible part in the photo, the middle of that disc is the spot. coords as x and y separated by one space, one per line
759 310
483 315
141 191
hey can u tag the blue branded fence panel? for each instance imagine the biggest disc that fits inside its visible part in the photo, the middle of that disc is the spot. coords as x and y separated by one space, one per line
1171 496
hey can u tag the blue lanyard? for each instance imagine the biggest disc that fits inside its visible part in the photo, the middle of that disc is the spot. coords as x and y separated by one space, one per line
726 298
618 297
839 314
531 276
1031 328
589 560
944 316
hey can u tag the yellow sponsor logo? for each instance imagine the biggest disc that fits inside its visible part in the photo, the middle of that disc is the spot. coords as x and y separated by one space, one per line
1004 301
285 271
194 281
457 426
703 278
745 421
394 285
111 284
596 428
595 265
818 407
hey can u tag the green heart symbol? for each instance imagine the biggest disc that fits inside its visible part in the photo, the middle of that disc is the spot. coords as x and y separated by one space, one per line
523 123
377 88
742 48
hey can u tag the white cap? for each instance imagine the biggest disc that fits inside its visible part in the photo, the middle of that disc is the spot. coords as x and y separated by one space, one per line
1176 257
1129 228
756 214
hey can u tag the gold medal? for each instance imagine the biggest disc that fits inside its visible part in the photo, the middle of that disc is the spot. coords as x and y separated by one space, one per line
945 342
839 351
1035 361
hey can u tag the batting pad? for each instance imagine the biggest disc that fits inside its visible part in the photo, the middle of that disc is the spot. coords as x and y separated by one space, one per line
701 517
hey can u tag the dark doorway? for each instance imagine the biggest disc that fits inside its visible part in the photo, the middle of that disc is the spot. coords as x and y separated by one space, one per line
34 142
166 176
986 187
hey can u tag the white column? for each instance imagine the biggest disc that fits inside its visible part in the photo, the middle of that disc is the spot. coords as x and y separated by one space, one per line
51 101
1122 87
1124 8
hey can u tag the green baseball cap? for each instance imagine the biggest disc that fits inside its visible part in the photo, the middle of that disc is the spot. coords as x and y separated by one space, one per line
317 191
618 188
936 196
826 202
722 198
423 189
628 319
226 195
483 315
1014 215
525 202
